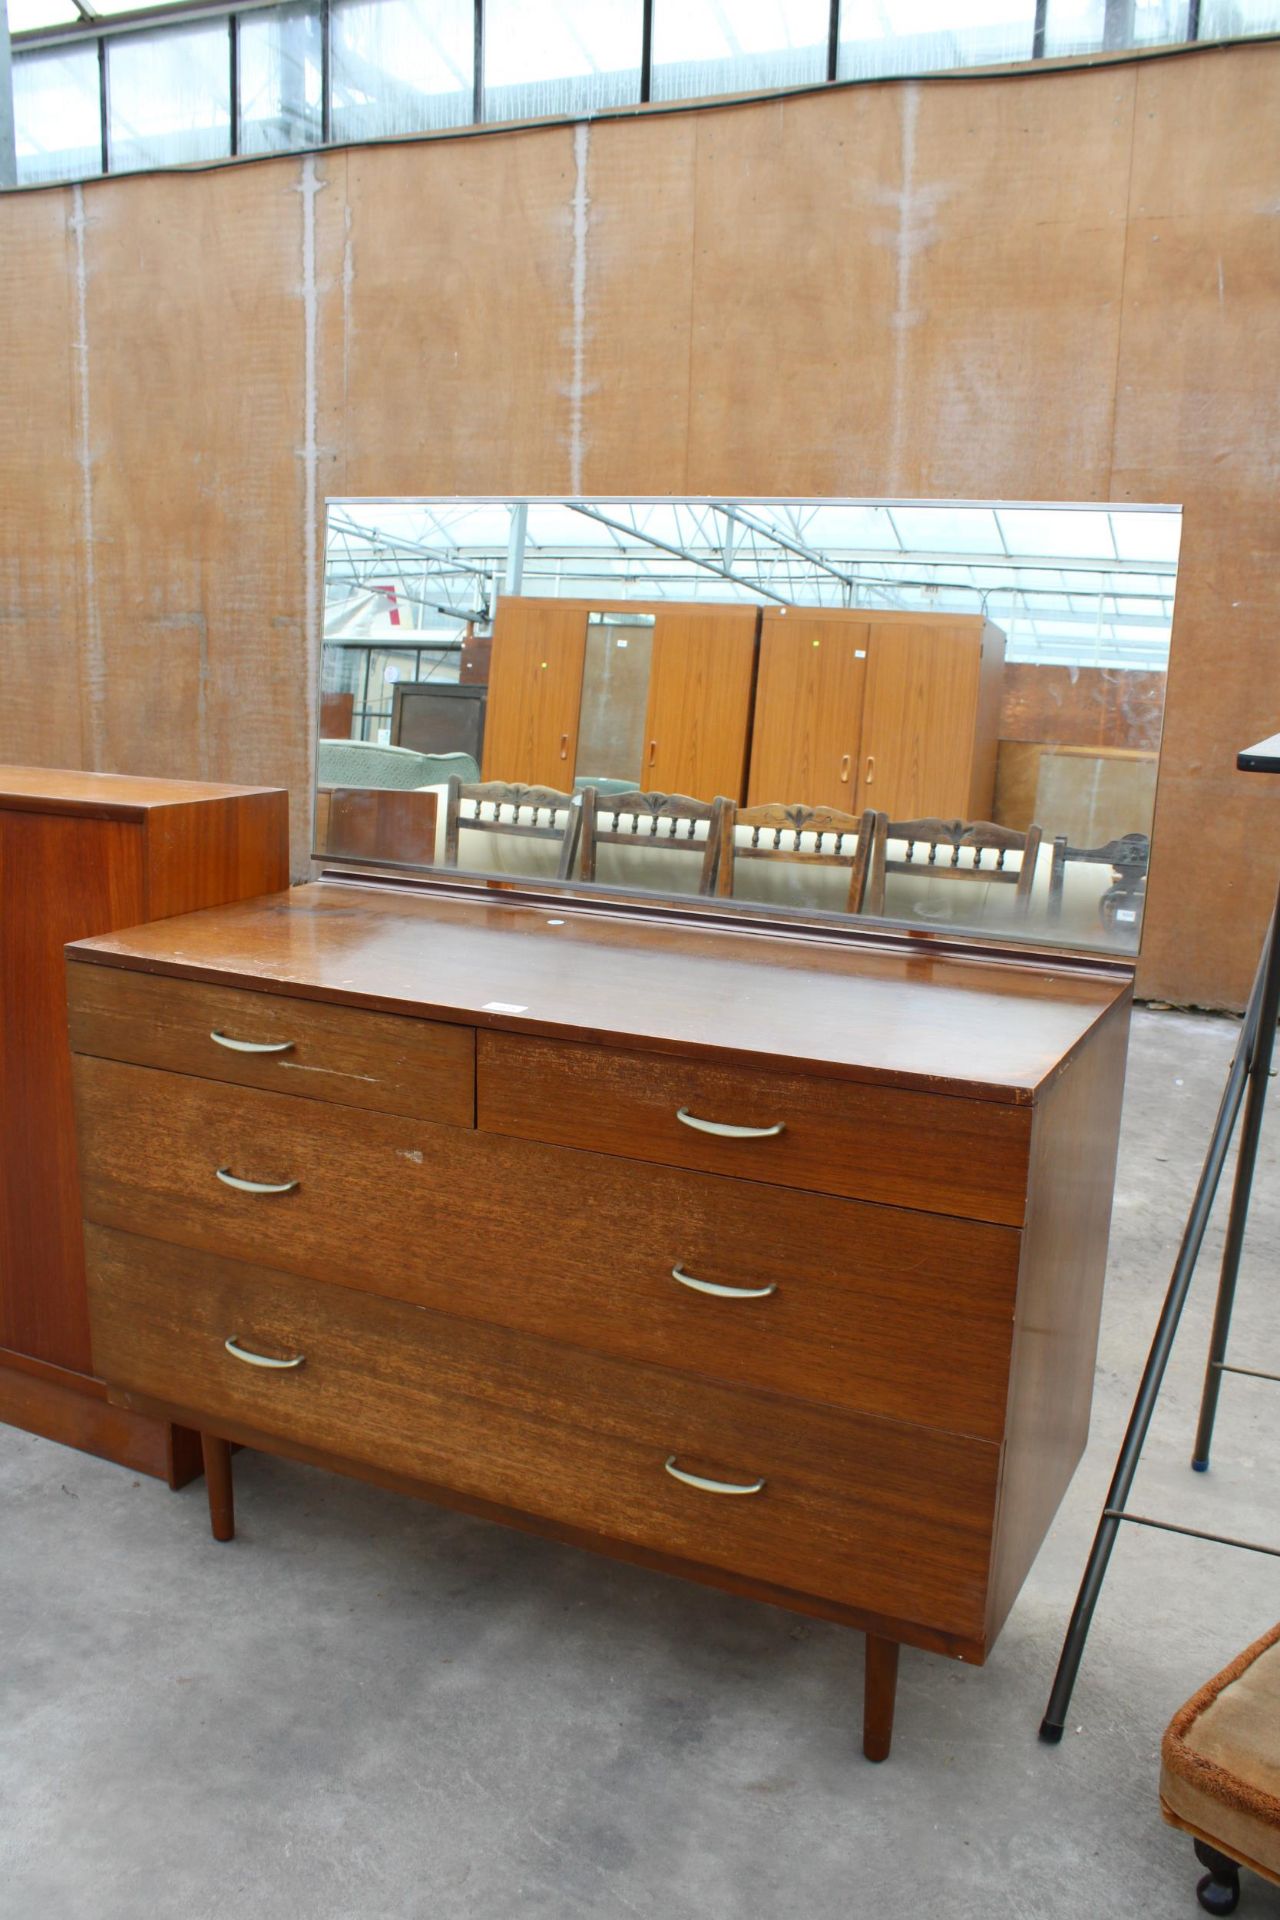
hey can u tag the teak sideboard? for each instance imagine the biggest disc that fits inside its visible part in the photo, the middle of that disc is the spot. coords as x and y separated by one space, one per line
771 1261
82 853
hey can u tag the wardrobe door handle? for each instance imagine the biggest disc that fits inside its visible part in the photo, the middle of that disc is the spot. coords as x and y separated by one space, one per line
564 746
710 1486
229 1179
250 1046
725 1131
846 767
722 1293
871 768
653 751
261 1359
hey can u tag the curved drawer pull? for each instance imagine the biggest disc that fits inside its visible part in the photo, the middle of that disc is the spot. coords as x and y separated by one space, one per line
261 1359
251 1046
723 1293
709 1486
229 1179
725 1131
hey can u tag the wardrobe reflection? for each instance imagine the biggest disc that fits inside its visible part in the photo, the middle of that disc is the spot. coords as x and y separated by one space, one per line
917 763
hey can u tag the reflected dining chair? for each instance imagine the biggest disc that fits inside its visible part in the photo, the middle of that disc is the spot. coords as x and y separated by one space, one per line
971 851
809 837
516 812
1120 905
666 823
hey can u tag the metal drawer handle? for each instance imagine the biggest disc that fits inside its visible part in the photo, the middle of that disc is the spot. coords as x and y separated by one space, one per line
709 1486
725 1131
723 1293
251 1046
229 1179
261 1359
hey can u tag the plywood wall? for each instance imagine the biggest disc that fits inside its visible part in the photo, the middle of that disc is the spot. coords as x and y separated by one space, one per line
1051 286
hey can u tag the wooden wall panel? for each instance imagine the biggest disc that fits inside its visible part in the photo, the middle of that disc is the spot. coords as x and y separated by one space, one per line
460 342
1012 221
883 277
41 493
1081 706
640 261
950 287
1198 422
203 316
791 377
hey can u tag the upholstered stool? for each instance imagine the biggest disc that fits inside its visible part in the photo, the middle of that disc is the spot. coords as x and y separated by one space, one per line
1220 1773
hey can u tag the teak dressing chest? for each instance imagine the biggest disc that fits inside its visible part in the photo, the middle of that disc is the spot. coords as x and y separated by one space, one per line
769 1260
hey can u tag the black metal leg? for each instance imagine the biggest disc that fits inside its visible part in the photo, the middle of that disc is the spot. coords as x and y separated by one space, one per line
1250 1134
1219 1890
1158 1359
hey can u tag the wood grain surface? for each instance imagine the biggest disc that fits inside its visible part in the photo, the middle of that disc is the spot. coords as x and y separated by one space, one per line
61 877
698 724
341 1054
535 692
1081 706
919 721
73 1410
808 718
974 1028
1055 1340
874 1309
884 1516
948 1156
107 796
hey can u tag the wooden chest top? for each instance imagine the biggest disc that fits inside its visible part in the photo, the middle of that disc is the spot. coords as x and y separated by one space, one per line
979 1028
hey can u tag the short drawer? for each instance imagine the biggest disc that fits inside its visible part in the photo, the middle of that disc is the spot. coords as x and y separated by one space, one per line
932 1151
889 1519
308 1047
873 1309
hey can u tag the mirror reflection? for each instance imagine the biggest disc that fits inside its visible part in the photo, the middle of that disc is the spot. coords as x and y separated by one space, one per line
926 712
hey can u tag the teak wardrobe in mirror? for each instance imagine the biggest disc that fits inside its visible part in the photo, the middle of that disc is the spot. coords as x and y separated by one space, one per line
832 706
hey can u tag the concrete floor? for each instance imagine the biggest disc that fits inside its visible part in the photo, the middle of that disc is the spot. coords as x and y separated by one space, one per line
365 1709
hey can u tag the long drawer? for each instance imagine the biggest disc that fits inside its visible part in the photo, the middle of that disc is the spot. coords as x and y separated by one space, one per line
870 1142
869 1308
888 1518
342 1054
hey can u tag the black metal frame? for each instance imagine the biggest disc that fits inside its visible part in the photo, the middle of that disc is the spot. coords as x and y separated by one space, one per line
1246 1087
188 11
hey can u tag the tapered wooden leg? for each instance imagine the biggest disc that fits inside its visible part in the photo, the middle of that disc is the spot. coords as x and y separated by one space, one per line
880 1693
217 1476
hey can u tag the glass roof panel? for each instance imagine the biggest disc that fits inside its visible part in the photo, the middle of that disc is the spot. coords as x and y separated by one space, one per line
25 16
450 557
948 529
1147 536
109 8
1074 532
525 43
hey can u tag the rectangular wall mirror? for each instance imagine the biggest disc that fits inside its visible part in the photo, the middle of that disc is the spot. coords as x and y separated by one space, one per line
934 714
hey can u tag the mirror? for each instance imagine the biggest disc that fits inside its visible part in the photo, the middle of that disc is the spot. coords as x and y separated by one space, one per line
936 714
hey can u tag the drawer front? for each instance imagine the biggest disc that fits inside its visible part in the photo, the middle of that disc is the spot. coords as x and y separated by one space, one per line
931 1151
887 1518
323 1052
868 1308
